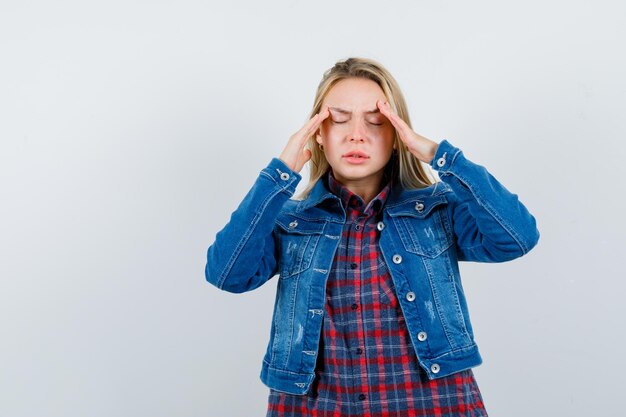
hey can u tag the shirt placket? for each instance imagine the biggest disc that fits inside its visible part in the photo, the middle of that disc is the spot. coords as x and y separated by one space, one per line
355 245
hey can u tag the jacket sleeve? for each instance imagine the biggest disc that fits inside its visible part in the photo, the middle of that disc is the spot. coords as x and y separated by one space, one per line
243 255
490 223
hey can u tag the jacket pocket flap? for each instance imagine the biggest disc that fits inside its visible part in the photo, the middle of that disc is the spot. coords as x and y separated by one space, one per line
418 207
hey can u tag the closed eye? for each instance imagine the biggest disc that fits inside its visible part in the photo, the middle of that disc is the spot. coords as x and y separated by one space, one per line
338 123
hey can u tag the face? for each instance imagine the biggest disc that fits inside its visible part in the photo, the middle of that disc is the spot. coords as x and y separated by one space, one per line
357 137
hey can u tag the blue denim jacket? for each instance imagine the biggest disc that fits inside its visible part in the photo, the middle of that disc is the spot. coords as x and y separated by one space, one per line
467 216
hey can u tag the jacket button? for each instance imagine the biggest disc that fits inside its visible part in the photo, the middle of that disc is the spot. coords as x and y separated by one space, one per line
421 336
410 296
435 368
380 226
419 207
293 224
397 259
284 176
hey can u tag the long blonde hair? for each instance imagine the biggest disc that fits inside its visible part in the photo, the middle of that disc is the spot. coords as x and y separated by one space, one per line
407 169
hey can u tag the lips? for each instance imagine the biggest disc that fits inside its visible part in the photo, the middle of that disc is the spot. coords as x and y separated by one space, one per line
355 154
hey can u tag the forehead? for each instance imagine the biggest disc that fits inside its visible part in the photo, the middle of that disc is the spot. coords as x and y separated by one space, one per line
354 94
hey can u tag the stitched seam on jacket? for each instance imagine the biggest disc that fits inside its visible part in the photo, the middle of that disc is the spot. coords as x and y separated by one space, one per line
268 176
487 207
455 351
244 239
482 202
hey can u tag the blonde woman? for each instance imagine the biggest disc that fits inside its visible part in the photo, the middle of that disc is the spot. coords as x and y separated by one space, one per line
370 317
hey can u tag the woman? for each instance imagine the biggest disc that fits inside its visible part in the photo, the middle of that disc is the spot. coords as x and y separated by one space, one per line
370 316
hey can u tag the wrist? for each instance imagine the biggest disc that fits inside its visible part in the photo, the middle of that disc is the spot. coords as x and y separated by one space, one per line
432 151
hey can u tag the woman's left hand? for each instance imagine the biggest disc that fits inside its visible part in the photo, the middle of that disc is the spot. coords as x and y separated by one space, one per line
423 148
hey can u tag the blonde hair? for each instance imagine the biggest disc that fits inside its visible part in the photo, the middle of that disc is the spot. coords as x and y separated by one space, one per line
406 168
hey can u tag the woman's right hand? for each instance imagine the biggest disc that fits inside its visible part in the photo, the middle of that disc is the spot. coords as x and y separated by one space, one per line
294 155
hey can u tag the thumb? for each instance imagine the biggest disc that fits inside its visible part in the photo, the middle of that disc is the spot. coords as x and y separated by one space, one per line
304 157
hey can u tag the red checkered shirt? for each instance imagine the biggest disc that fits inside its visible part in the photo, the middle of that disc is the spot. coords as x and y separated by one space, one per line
366 364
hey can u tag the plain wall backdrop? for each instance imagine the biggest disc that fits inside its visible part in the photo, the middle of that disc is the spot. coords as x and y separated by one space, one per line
130 131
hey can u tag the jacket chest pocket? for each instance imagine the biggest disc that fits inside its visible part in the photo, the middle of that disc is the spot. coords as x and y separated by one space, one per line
423 226
297 242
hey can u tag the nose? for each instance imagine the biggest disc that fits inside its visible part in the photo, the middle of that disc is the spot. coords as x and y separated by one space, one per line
357 133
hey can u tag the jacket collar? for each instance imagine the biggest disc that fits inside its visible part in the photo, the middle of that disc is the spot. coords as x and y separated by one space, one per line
319 193
401 196
398 195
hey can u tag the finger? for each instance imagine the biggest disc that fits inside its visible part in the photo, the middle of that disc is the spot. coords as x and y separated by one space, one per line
312 125
307 126
317 119
324 114
321 116
386 109
393 117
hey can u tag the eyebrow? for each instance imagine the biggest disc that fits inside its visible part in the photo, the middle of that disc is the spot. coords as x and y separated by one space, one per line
344 111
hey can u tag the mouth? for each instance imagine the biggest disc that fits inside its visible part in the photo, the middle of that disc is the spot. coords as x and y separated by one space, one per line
355 154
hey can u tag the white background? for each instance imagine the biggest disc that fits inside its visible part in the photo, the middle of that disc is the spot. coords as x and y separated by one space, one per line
130 130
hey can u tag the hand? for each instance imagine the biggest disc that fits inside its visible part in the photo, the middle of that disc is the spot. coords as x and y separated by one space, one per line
294 155
423 148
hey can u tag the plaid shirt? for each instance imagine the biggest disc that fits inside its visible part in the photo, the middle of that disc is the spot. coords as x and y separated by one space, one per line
366 364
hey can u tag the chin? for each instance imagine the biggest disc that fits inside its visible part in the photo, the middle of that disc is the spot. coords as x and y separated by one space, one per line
353 174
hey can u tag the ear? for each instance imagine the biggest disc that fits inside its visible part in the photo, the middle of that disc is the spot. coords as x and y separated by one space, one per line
318 138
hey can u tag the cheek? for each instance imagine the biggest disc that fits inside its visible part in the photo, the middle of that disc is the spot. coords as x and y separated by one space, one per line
333 133
327 129
382 135
334 126
387 133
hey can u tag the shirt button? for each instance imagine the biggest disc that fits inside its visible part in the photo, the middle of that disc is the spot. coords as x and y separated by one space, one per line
435 368
353 265
361 397
284 176
380 226
397 259
421 336
355 306
441 162
359 350
410 296
419 206
357 227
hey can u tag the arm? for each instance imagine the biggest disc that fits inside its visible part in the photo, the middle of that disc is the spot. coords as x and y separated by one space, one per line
490 223
243 255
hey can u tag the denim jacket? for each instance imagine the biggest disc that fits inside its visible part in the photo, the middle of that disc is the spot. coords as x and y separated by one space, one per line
424 233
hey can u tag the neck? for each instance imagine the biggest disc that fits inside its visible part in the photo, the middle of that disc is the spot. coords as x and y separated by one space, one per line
366 188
